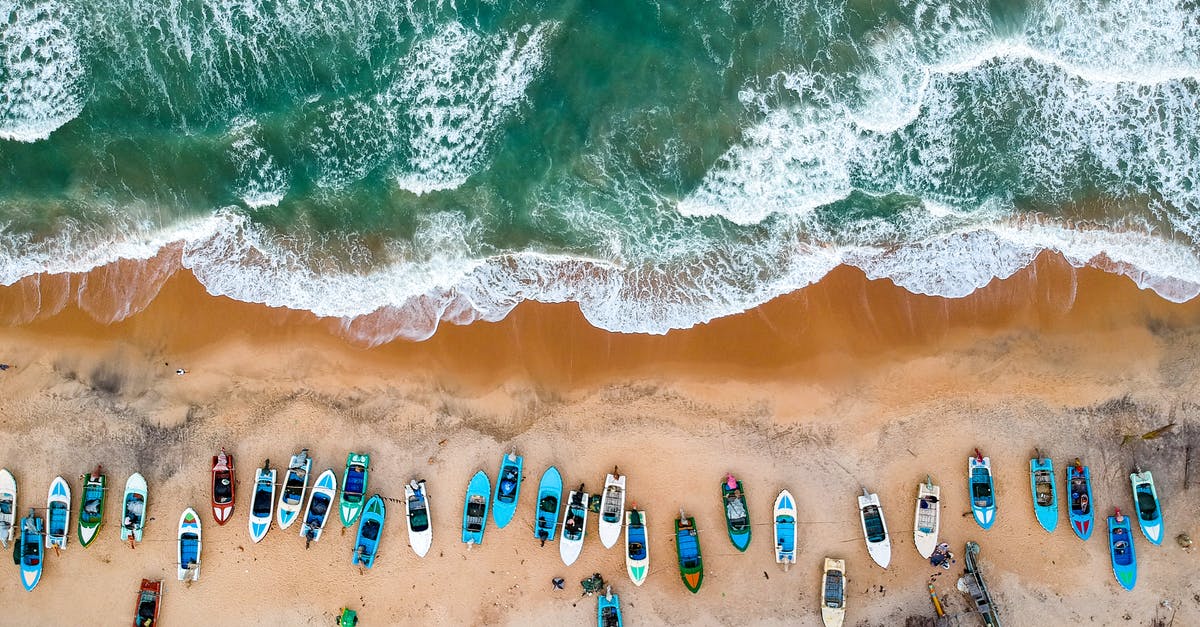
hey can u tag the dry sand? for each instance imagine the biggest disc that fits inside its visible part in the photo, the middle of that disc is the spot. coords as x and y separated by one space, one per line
845 384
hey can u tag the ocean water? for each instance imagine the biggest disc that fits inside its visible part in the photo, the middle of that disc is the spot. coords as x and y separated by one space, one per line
661 163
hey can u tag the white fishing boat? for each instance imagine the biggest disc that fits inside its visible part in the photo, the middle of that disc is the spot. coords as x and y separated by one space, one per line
262 505
612 509
188 553
58 513
833 593
8 507
295 482
927 518
879 545
785 529
320 500
573 526
416 508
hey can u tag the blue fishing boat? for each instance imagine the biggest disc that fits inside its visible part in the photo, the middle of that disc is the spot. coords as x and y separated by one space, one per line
983 493
30 550
549 502
1145 500
1045 493
737 515
475 508
637 552
785 529
1120 549
1079 507
370 527
608 610
508 489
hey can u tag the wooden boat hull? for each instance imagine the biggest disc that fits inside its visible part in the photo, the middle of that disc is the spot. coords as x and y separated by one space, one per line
8 507
417 517
549 503
737 522
1079 503
570 545
370 532
295 483
223 484
189 543
262 503
1146 506
475 508
687 550
608 610
354 487
320 502
1045 492
983 491
928 518
874 525
612 510
833 592
637 547
30 551
58 513
91 508
785 528
508 490
145 610
1121 551
135 507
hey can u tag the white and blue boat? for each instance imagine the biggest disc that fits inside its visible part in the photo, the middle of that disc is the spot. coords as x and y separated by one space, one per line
549 501
58 513
295 482
508 489
1120 549
475 508
262 505
1079 505
320 501
574 526
637 551
785 529
370 528
1145 500
1045 492
608 610
189 545
983 490
30 550
416 510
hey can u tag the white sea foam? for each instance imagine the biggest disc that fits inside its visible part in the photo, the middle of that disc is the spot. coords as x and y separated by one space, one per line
41 74
262 182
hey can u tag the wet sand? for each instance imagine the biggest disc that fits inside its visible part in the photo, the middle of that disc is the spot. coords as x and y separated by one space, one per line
844 384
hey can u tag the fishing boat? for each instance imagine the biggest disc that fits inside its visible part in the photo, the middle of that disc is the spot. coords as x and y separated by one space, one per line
737 515
354 487
145 612
8 507
320 500
91 506
222 487
879 545
262 506
1145 501
637 551
133 509
370 527
612 509
549 501
785 529
574 526
29 551
58 513
1120 549
833 593
189 545
608 610
475 508
294 485
1045 492
416 514
983 492
928 517
508 489
687 549
1079 488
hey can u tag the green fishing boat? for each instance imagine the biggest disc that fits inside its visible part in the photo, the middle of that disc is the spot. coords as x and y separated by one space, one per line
354 486
737 516
687 547
91 506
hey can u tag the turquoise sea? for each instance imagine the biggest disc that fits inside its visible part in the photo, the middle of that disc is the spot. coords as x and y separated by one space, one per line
660 163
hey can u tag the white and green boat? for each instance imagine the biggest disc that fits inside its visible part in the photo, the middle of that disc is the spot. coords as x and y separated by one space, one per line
354 487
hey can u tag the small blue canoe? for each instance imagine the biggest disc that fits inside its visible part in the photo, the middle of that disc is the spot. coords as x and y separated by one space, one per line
30 550
983 492
1079 507
608 610
370 527
508 489
549 502
1145 498
1120 549
475 508
1045 493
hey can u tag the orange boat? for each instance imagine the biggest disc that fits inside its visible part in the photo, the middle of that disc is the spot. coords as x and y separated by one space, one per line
145 614
222 487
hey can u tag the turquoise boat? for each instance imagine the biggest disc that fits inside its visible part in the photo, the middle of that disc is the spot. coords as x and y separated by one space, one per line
354 487
370 527
608 610
1079 507
508 490
983 491
1045 492
475 508
549 502
737 516
1120 549
29 551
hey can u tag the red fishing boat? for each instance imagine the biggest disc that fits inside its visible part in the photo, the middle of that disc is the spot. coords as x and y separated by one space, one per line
222 487
145 614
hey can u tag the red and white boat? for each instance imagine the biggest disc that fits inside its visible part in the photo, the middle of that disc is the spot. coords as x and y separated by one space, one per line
222 487
145 613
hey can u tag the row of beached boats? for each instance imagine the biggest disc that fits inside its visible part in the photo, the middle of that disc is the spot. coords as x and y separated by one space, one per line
1044 492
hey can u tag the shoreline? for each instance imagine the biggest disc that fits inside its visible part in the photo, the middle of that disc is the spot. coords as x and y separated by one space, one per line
845 384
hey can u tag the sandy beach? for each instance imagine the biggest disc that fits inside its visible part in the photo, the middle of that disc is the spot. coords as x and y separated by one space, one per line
845 384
